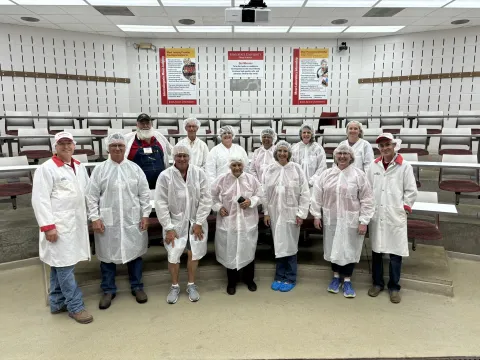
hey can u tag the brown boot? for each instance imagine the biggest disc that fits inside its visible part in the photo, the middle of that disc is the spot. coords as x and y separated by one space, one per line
374 291
106 301
395 297
140 296
82 317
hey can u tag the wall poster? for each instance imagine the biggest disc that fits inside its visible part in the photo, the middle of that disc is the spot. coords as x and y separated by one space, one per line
310 77
246 64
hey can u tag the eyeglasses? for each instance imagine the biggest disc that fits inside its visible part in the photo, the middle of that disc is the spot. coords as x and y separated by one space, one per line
119 146
381 146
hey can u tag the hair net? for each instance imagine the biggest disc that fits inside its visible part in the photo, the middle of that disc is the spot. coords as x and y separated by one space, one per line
226 129
284 144
269 132
115 138
360 127
236 158
180 149
191 120
344 148
309 128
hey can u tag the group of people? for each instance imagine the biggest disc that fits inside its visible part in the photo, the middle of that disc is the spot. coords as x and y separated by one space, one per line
285 182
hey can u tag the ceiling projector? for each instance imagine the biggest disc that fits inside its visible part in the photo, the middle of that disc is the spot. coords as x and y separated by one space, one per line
254 12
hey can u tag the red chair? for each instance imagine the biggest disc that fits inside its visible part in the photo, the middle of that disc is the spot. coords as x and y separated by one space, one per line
424 230
327 122
15 186
464 141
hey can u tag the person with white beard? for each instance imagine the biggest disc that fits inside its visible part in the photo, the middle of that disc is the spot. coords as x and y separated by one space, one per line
148 148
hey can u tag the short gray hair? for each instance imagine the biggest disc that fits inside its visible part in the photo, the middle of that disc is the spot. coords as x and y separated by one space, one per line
344 148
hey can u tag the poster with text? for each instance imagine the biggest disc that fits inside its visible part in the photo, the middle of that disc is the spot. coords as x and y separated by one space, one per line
310 77
178 76
246 64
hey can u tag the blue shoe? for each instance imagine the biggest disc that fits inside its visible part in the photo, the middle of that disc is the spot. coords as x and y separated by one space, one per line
334 286
276 285
286 287
348 291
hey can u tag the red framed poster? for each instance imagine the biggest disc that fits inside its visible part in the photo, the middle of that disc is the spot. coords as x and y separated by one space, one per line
310 77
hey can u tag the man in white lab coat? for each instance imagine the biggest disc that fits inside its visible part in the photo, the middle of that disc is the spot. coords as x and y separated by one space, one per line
118 201
59 205
198 148
394 191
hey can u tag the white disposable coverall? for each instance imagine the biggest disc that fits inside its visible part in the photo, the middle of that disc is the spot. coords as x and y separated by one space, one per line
237 233
286 196
118 195
58 200
166 146
179 205
311 158
198 151
346 199
218 160
262 158
363 154
395 191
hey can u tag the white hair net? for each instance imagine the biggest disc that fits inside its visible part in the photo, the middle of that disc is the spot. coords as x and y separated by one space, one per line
236 158
346 149
115 138
180 149
227 129
360 127
269 132
282 144
191 120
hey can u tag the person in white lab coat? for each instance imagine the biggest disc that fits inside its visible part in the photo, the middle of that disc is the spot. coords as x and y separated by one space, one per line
395 191
183 203
309 154
198 148
148 148
236 196
217 160
118 201
286 201
263 156
363 149
58 200
344 195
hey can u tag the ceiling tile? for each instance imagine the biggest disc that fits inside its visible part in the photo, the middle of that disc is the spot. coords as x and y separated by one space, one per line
186 11
315 12
103 27
413 28
139 20
46 10
430 21
80 10
446 12
45 25
470 13
281 22
339 12
327 20
472 22
14 10
22 22
92 19
285 12
208 20
382 21
147 10
75 27
415 12
61 19
8 20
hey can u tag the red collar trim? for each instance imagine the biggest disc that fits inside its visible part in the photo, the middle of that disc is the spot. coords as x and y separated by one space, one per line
398 159
60 162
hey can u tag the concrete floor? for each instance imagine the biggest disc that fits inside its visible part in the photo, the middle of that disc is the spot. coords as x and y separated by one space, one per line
306 323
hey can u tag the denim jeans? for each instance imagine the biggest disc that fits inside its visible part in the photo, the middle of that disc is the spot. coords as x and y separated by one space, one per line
64 290
109 270
395 269
286 269
344 270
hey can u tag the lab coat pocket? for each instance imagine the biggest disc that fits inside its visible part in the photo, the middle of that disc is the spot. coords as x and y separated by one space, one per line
65 221
136 216
106 216
352 219
396 216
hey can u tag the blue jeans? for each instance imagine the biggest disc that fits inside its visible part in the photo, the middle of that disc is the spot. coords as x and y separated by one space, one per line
395 269
64 290
109 271
286 269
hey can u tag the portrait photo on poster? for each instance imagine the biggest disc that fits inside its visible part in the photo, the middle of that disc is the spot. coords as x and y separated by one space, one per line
322 73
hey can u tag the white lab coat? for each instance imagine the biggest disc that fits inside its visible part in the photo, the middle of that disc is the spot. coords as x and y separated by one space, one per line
286 196
237 233
118 195
166 146
198 151
363 154
346 199
311 158
58 200
262 158
179 205
218 160
395 191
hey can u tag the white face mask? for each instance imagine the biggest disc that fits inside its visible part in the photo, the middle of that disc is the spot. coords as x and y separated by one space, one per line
145 134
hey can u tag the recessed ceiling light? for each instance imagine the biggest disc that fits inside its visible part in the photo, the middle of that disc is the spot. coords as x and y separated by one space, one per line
29 19
51 2
339 21
317 29
460 22
146 28
220 3
278 3
412 3
261 29
341 3
186 21
123 2
373 29
464 4
203 29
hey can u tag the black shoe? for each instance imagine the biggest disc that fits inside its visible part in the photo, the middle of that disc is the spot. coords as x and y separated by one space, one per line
106 301
252 286
231 290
